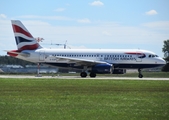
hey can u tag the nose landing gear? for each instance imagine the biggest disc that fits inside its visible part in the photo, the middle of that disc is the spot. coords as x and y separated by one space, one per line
139 73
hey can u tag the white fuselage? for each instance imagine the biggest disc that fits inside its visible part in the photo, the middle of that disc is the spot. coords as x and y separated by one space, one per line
120 58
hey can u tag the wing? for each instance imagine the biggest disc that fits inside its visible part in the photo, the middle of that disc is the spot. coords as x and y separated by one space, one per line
79 62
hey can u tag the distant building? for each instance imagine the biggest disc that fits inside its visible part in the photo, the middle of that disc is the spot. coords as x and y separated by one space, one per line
28 69
13 66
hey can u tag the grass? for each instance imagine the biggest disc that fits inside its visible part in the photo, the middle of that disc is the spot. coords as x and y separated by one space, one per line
51 99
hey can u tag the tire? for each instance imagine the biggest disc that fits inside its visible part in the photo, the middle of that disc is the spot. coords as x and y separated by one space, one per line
92 74
140 76
83 74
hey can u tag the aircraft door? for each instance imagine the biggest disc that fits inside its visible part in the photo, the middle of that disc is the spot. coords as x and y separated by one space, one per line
41 55
139 57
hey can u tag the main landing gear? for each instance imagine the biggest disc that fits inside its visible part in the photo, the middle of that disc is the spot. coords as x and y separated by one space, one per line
139 73
84 74
93 74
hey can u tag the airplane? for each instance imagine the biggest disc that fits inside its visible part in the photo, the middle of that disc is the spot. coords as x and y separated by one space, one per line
90 61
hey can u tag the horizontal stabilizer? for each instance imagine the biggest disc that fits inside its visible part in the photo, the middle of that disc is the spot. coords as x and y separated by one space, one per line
24 54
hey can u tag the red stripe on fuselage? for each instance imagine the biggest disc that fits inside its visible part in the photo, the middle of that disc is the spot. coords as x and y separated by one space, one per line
18 29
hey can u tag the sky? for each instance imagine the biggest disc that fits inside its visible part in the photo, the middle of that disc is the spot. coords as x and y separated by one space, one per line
88 24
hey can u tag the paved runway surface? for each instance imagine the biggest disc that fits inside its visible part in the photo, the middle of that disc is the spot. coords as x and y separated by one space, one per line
78 77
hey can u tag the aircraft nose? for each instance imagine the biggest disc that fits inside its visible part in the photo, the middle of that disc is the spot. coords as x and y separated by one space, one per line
162 61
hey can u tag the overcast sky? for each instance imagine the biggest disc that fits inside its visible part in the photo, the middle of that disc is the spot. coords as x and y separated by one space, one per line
111 24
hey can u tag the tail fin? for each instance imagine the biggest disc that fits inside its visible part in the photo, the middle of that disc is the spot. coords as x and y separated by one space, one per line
24 40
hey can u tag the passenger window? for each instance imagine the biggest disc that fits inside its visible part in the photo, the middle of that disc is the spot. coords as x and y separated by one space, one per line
149 56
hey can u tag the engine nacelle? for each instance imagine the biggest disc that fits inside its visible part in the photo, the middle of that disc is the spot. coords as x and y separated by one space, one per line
102 68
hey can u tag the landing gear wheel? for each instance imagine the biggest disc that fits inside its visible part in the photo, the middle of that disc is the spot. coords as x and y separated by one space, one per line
139 73
83 74
92 74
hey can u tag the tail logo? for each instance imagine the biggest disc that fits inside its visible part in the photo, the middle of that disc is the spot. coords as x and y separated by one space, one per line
24 40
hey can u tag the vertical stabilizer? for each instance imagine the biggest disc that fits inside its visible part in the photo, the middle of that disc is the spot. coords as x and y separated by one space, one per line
24 39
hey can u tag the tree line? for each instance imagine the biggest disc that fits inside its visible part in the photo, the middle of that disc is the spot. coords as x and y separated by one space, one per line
8 60
165 49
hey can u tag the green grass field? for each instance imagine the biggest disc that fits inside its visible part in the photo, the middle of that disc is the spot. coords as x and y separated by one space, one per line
59 99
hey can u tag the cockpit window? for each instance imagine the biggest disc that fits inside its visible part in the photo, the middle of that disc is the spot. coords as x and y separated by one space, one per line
152 56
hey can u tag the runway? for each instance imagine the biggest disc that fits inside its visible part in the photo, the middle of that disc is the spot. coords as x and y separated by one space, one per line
78 77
